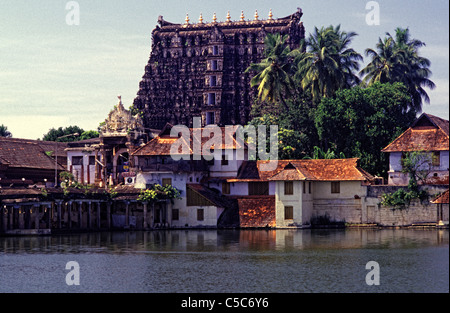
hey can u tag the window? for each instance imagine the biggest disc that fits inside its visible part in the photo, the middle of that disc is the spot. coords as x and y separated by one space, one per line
200 214
212 81
210 118
288 213
215 50
175 214
166 182
224 160
309 187
335 187
77 160
211 98
91 160
214 65
436 158
288 188
304 187
226 188
258 188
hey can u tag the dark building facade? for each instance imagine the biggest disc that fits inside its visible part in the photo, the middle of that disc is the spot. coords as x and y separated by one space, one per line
198 69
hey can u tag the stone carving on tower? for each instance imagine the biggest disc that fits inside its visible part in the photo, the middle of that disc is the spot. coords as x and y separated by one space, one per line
197 69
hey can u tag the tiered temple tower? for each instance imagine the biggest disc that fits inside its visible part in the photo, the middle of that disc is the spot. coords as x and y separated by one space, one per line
197 69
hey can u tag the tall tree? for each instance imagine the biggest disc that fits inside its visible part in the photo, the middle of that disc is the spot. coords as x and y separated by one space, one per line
325 63
4 131
397 59
273 77
360 122
54 134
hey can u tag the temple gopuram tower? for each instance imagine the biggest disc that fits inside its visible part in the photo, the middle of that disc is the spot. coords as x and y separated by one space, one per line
197 69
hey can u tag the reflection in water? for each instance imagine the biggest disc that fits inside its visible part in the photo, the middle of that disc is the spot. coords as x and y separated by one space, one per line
411 260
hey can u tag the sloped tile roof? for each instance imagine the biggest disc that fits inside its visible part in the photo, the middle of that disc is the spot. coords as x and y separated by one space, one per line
161 145
442 199
428 133
213 197
318 170
25 154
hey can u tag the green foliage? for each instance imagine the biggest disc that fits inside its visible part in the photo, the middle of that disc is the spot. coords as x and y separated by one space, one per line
4 131
418 164
296 129
158 192
397 59
412 163
53 134
273 77
325 63
360 122
89 134
66 177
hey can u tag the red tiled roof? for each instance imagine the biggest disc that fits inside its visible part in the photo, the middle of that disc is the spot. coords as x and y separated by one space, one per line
322 170
161 145
442 199
428 133
25 154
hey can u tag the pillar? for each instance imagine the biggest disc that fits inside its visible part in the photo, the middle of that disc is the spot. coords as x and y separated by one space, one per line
36 208
98 215
144 224
89 215
69 214
80 217
108 214
127 214
49 216
59 204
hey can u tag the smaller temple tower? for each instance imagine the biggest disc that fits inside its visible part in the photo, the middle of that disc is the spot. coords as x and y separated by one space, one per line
120 135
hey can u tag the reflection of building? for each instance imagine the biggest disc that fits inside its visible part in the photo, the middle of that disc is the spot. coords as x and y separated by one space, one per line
429 134
205 63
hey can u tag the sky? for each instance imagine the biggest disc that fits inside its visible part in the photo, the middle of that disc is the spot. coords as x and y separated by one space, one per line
56 71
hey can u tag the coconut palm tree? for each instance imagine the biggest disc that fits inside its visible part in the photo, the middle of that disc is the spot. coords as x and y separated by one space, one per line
273 77
4 131
397 60
326 63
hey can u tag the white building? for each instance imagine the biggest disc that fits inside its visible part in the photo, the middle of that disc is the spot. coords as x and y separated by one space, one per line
429 134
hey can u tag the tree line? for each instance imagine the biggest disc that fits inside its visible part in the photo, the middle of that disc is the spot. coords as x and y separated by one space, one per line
326 106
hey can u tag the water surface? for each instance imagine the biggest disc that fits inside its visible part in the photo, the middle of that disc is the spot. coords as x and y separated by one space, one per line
224 261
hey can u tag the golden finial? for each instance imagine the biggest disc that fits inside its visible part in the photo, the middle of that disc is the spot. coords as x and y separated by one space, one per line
242 16
200 19
187 19
270 15
228 17
256 15
214 18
